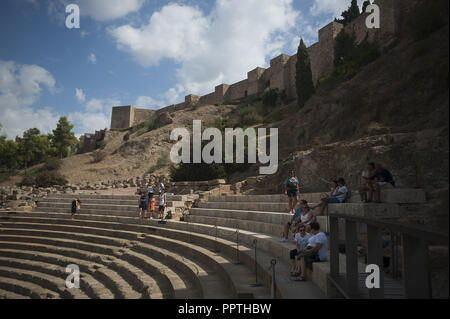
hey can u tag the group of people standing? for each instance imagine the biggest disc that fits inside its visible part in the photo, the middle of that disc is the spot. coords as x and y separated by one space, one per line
147 202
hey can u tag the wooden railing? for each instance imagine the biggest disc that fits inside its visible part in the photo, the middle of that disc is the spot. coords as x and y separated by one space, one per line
415 272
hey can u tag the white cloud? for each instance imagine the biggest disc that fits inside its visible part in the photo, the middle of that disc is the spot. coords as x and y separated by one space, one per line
81 97
92 58
99 10
333 8
223 46
149 102
20 87
95 116
103 10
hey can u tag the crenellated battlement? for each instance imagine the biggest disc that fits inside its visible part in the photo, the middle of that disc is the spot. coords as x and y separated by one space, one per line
282 71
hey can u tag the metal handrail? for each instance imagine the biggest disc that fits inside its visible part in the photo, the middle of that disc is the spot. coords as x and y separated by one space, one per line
415 242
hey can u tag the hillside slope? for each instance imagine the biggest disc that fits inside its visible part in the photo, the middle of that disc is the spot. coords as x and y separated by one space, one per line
395 111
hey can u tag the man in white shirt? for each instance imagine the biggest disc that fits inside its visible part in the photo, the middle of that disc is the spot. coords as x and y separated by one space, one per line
317 250
340 195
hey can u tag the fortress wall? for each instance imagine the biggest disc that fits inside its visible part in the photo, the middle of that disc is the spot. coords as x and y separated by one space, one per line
277 71
388 23
290 72
282 71
191 100
322 52
173 107
237 91
254 84
141 115
220 92
208 99
122 117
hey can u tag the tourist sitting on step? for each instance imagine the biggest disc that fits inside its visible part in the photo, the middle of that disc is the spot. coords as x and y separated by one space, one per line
302 216
368 176
291 190
143 205
315 251
340 196
333 190
301 242
382 180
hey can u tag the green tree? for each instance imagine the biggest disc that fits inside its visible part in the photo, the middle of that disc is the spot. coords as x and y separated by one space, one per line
63 137
344 48
33 148
350 57
8 155
351 13
304 82
365 5
78 145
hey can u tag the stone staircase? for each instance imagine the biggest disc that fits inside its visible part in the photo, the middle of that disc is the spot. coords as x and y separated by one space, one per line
111 204
122 256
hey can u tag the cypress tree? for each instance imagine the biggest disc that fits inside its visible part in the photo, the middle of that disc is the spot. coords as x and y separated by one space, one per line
304 82
365 5
351 13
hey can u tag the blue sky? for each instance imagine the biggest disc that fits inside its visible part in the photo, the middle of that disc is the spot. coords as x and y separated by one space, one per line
147 53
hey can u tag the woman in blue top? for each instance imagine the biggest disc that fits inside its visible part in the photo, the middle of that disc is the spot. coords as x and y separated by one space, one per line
291 190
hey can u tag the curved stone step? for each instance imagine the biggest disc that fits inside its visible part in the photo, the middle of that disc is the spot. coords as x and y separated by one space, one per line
264 217
281 207
102 274
210 284
4 294
42 244
392 196
50 282
111 207
253 226
26 288
113 201
92 288
145 285
167 278
274 198
216 262
268 247
93 196
66 211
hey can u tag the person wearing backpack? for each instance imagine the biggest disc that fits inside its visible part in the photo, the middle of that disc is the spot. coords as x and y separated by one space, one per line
292 190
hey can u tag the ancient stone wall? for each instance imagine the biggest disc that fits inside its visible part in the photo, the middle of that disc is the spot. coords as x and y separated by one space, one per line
122 117
90 141
191 100
208 99
141 115
237 91
281 73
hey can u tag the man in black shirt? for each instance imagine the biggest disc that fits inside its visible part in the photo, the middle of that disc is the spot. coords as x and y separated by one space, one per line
383 180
